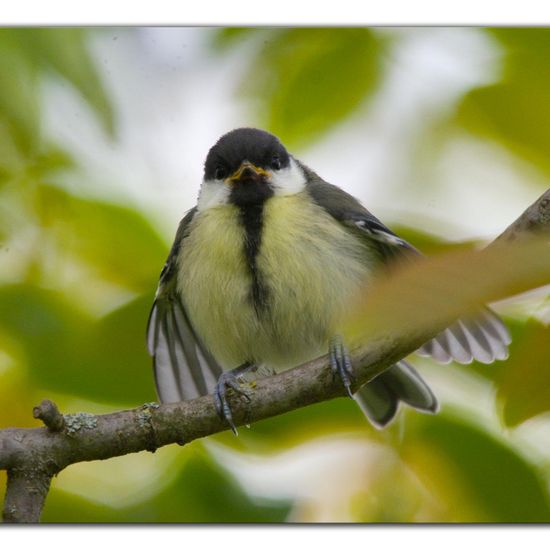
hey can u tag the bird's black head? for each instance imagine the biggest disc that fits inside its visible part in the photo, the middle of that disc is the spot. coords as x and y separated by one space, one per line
246 160
246 167
261 149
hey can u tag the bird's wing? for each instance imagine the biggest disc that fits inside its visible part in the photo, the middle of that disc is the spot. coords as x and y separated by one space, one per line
183 367
482 336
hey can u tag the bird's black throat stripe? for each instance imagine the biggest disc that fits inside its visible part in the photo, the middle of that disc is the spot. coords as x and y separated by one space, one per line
252 220
250 198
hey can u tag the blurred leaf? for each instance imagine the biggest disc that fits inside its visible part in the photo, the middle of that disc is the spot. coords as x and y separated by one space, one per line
63 507
500 482
50 331
281 432
391 492
47 161
201 493
117 242
432 292
65 51
229 36
51 159
26 54
306 80
524 381
204 492
115 364
515 111
429 243
67 352
19 106
18 395
12 161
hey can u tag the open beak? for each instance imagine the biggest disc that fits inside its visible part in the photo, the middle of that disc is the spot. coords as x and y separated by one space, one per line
248 172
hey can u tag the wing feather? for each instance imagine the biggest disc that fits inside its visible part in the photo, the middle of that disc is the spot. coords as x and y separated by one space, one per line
183 367
482 337
185 343
165 378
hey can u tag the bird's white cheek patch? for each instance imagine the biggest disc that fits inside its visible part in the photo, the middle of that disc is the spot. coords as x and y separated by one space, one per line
288 181
212 193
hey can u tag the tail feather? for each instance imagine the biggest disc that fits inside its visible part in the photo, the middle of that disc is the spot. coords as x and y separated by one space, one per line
379 399
482 337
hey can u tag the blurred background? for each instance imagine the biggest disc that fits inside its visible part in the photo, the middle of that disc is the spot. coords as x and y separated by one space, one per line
443 133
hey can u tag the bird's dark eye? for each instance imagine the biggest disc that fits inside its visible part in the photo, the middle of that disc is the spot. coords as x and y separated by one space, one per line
276 163
220 172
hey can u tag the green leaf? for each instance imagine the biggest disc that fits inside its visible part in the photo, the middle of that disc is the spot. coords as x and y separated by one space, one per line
230 36
204 492
64 507
19 107
420 297
524 381
115 366
65 51
50 160
51 333
12 160
281 432
25 55
515 111
306 80
429 243
497 483
201 493
117 242
522 43
67 352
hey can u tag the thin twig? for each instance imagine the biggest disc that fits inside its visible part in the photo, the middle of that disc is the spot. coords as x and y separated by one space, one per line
48 412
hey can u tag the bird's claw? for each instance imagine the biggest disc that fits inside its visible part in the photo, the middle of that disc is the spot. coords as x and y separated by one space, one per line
340 363
228 380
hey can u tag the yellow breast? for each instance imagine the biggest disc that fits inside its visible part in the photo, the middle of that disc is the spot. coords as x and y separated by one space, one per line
311 265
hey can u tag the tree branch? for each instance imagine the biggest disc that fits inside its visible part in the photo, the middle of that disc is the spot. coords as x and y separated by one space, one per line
535 220
32 456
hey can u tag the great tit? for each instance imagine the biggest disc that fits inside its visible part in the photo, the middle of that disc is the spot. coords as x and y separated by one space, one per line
262 272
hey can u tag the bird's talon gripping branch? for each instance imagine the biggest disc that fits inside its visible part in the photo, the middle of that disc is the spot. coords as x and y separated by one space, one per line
229 380
340 363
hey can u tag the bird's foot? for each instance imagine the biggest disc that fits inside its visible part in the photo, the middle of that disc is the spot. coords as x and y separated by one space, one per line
340 363
229 380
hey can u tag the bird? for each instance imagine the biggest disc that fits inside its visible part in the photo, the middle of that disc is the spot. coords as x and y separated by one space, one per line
261 274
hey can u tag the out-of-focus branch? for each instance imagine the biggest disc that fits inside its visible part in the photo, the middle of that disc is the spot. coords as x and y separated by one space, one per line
33 456
535 220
